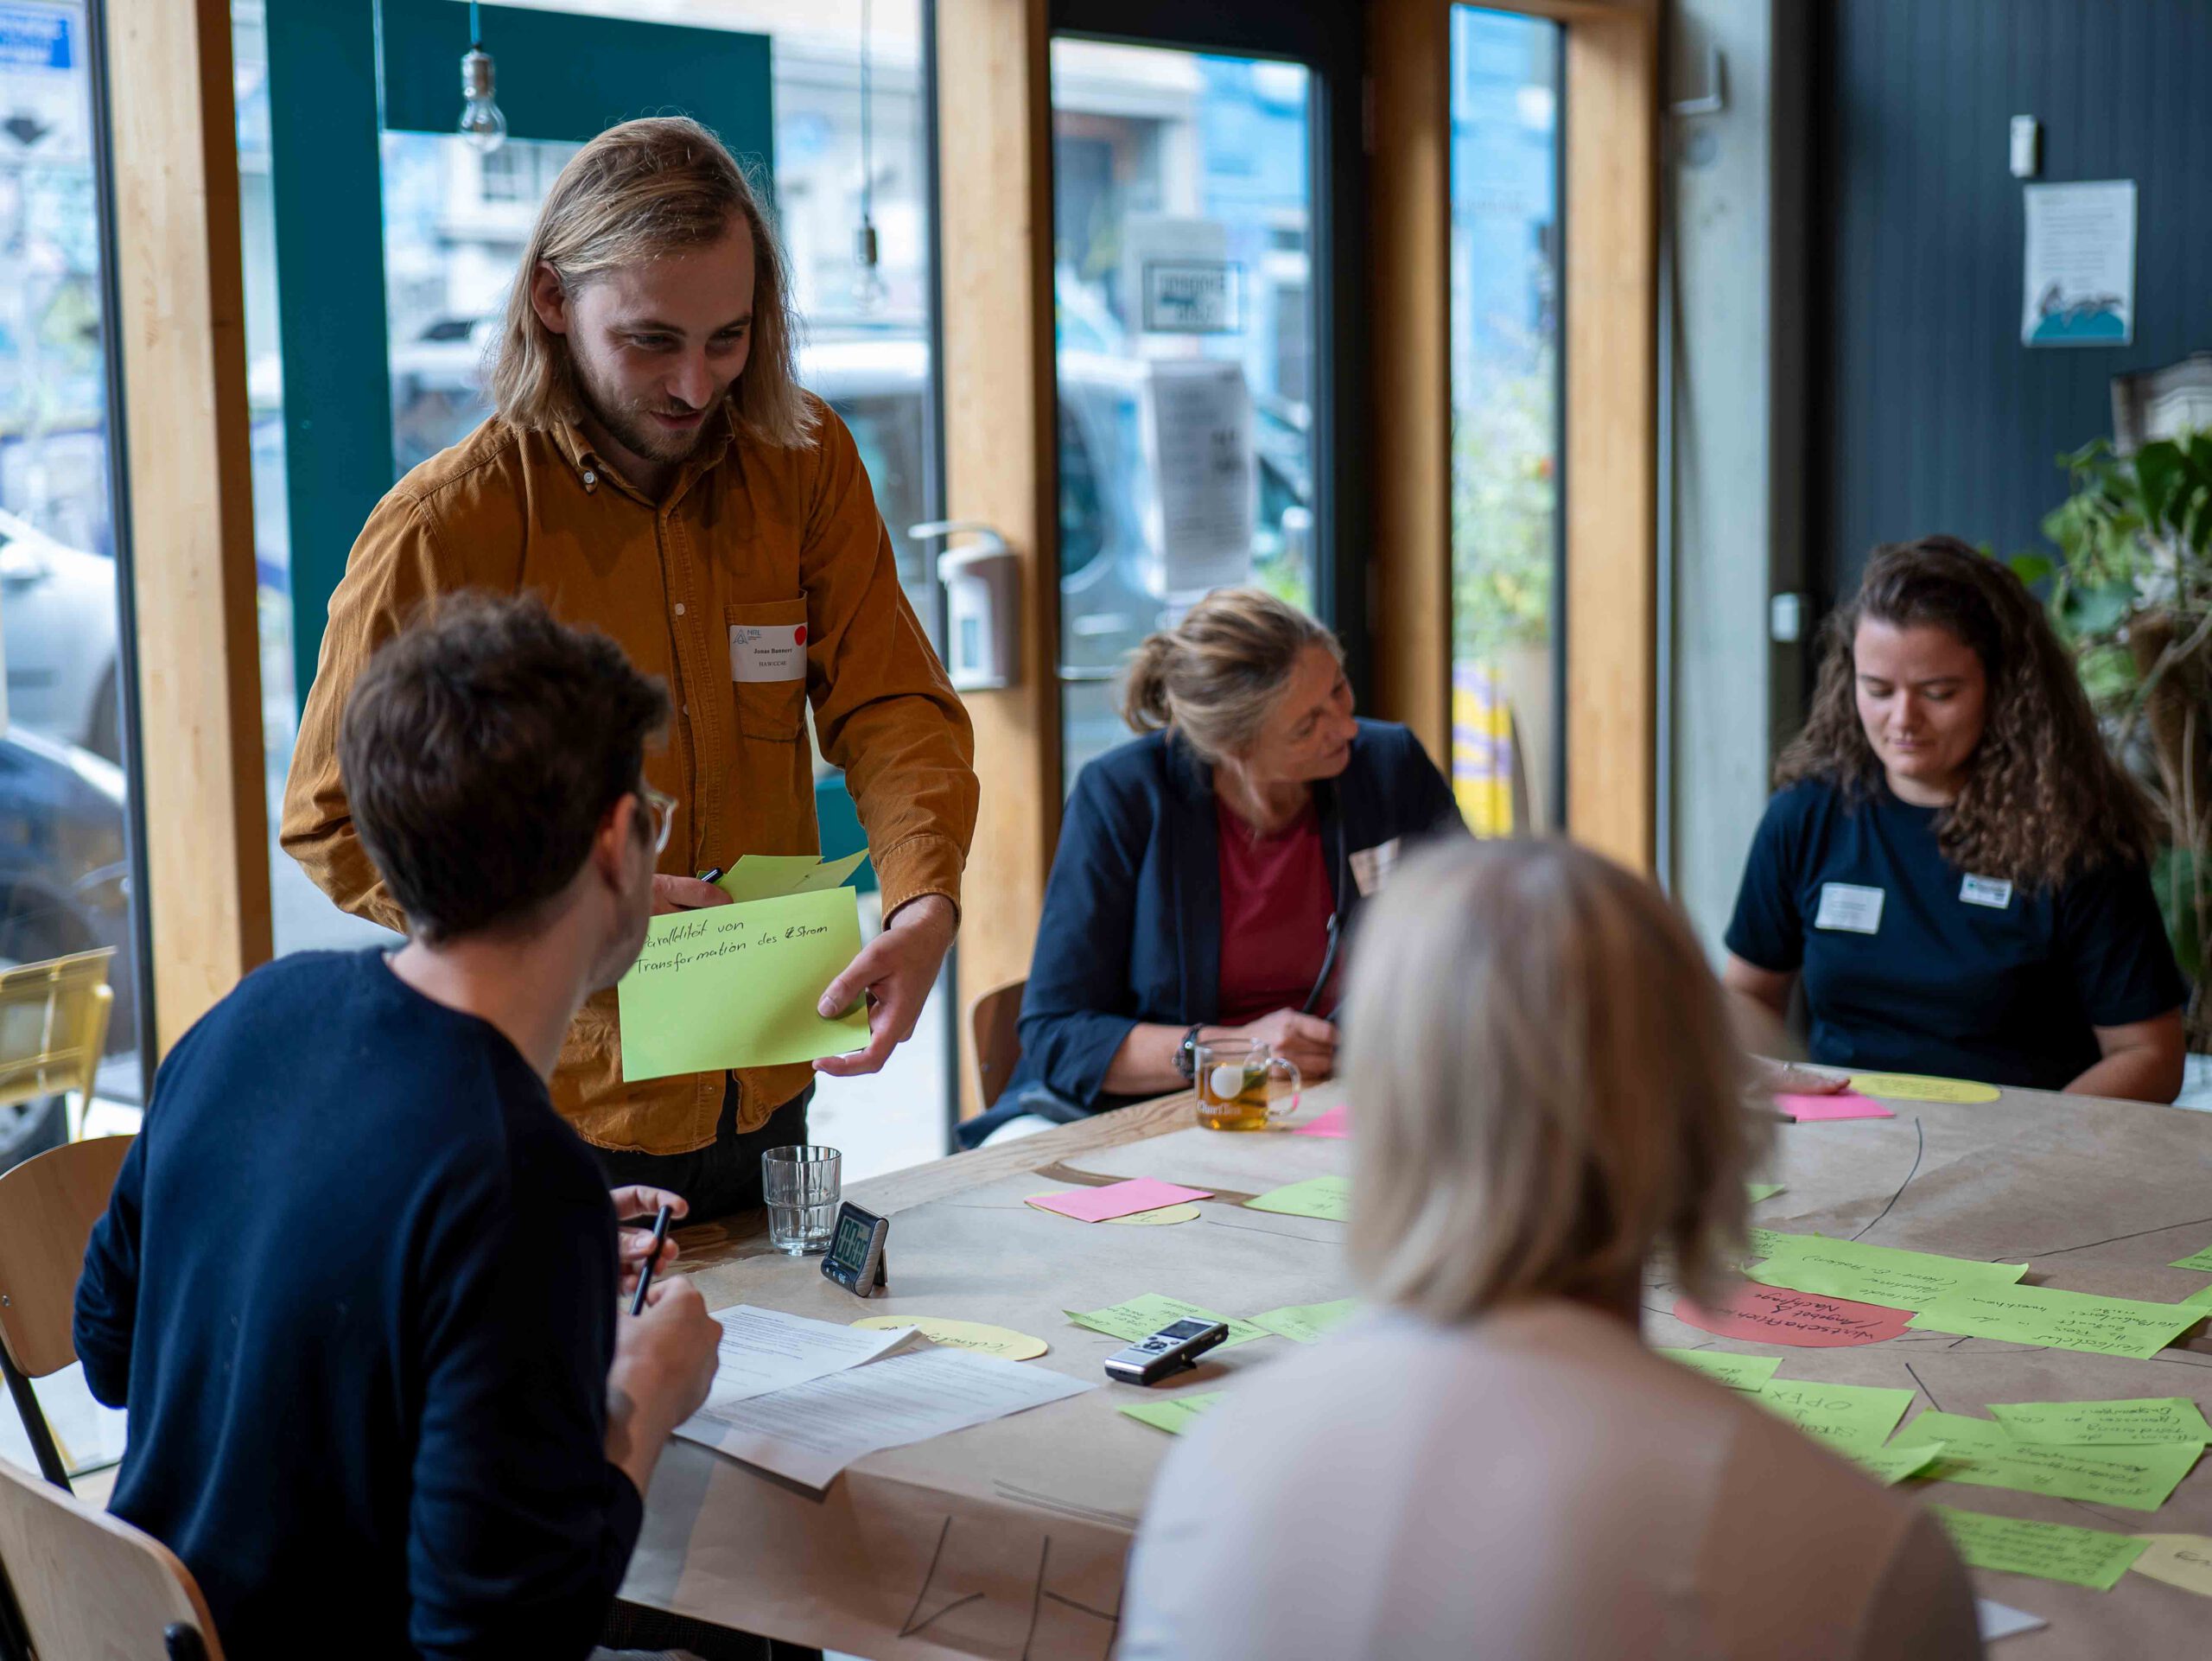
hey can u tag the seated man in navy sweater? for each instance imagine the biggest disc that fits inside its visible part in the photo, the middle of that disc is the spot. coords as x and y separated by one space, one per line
357 1282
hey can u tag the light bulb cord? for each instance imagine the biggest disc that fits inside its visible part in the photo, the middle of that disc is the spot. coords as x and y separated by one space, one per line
475 26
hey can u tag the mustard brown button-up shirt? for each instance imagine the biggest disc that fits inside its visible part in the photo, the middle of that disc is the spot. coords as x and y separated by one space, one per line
749 534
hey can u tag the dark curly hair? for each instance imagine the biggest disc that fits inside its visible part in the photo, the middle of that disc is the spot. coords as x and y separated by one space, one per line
2043 800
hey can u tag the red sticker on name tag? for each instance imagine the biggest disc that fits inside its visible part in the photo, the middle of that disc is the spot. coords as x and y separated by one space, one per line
1773 1314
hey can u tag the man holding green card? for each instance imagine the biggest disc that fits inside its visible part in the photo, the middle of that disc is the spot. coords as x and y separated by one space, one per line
655 472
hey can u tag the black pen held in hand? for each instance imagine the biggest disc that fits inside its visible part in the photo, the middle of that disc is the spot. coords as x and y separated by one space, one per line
653 1258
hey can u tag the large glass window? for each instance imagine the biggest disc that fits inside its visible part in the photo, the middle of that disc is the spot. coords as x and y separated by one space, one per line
1506 629
1183 215
454 224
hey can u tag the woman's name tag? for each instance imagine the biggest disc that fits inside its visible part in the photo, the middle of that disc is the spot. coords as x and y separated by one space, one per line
1848 906
1992 892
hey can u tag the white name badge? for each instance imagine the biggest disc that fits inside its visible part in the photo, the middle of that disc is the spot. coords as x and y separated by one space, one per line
1848 906
1989 891
777 651
1372 867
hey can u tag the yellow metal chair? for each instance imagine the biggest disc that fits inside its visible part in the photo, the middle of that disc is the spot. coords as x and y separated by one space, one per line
53 1030
77 1584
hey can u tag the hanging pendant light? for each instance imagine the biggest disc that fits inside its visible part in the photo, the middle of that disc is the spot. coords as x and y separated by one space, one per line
481 122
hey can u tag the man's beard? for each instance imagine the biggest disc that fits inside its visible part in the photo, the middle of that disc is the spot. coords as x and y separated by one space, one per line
632 426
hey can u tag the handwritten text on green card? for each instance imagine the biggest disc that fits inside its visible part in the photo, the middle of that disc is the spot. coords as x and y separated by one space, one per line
2050 1551
1891 1465
2063 1320
2157 1418
1872 1274
1174 1414
1306 1322
2138 1478
1842 1415
2200 1261
1141 1317
1328 1197
736 986
1737 1371
763 876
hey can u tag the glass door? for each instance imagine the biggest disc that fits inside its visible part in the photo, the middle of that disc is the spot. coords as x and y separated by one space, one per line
1190 329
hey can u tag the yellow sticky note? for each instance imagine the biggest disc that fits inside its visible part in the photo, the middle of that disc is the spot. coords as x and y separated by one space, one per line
1160 1216
1325 1197
975 1335
1917 1087
1174 1414
2183 1560
763 876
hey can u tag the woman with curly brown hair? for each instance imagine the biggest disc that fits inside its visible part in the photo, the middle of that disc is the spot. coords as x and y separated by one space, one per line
1953 861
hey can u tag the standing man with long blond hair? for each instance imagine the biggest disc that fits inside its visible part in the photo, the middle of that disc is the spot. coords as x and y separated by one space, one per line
655 471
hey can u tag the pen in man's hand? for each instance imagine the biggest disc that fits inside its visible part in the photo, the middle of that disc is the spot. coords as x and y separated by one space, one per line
713 874
652 1259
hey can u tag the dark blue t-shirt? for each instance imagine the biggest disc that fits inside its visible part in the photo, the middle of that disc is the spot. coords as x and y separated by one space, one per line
356 1286
1912 965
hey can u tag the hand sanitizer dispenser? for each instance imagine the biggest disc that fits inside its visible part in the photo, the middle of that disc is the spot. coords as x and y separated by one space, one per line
982 595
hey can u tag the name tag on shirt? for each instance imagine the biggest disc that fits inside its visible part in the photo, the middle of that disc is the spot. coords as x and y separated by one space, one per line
1988 891
775 652
1848 906
1372 867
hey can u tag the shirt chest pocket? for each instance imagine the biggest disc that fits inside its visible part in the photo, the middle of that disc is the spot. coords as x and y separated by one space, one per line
767 667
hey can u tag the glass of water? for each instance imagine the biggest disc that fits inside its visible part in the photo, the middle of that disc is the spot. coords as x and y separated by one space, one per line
802 1189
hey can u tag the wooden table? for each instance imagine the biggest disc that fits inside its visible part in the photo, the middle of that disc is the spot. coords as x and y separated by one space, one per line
1008 1540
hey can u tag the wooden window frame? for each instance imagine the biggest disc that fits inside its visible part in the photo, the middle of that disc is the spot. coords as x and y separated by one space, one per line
1610 308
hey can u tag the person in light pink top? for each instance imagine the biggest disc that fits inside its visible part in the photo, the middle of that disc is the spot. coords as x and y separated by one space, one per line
1493 1464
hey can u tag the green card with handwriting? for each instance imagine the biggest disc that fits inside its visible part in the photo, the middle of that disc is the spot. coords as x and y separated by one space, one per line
1141 1317
736 986
2059 1320
2137 1477
1842 1415
2156 1418
2050 1551
1759 1191
1872 1274
763 876
1328 1197
1174 1413
1891 1465
1306 1322
1737 1371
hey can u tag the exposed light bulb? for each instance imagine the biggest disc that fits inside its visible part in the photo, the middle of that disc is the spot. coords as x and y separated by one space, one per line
481 124
869 290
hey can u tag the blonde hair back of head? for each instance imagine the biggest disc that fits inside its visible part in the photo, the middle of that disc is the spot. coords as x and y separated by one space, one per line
1548 1092
639 192
1215 677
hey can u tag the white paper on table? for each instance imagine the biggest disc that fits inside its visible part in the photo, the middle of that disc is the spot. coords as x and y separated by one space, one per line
811 1431
2002 1620
763 1350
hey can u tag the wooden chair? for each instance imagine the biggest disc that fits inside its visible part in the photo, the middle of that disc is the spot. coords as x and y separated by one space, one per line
53 1020
992 1028
48 1208
77 1584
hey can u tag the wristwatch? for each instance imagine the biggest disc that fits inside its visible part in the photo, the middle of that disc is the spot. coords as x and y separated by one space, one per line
1186 1054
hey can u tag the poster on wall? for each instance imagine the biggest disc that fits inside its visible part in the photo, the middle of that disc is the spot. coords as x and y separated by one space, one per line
1198 436
2079 282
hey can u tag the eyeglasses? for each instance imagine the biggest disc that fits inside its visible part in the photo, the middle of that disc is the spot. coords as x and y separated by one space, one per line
661 806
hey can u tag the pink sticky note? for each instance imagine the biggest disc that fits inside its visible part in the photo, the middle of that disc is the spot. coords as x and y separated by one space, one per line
1848 1105
1331 1124
1118 1198
1773 1314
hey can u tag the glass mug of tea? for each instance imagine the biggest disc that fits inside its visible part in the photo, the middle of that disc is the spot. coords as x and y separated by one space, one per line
1232 1075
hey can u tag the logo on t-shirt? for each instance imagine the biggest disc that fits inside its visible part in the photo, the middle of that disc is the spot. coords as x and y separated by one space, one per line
1992 892
1849 907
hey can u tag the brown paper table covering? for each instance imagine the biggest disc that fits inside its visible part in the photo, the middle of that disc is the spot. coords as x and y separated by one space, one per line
1008 1540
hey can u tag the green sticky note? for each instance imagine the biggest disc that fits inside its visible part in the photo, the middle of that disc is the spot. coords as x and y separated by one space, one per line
1891 1465
765 876
1872 1274
1759 1191
1306 1322
1842 1415
2138 1478
1174 1413
1327 1197
2061 1321
736 986
2156 1418
2051 1551
2200 1261
1141 1317
2202 1294
1737 1371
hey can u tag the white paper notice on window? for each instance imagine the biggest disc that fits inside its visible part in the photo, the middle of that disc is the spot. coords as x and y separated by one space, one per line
2079 282
1198 433
812 1431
